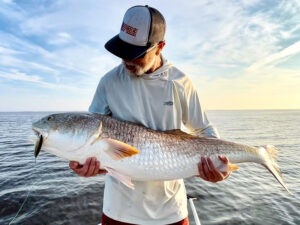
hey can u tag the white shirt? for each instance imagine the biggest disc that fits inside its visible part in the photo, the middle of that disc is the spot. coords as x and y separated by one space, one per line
162 100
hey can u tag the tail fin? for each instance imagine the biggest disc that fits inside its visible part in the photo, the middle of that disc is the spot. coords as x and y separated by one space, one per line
270 163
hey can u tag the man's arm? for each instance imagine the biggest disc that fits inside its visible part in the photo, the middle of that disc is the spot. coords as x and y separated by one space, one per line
196 121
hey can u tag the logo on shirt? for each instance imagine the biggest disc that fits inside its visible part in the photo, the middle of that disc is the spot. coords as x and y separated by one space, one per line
129 29
168 103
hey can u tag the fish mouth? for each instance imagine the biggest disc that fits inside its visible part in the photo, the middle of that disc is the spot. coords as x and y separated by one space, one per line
36 131
39 142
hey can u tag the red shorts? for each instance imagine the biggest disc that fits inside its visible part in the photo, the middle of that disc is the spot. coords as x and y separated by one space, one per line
109 221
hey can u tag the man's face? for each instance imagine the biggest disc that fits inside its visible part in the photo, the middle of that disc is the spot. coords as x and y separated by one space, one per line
138 67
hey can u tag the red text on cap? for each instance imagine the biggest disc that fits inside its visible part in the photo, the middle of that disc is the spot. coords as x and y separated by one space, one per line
129 29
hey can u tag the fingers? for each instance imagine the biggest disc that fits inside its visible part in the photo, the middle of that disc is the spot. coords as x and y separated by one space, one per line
73 164
218 176
224 159
84 169
100 171
201 171
204 170
90 168
97 166
209 172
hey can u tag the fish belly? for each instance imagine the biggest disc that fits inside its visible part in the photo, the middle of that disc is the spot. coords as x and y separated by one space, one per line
156 164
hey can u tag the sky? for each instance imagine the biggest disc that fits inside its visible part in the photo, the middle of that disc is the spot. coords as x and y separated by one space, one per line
239 54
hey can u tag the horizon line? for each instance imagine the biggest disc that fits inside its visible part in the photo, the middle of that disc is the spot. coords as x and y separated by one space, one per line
19 111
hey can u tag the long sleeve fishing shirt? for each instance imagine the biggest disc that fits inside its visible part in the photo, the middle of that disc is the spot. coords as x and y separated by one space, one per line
162 100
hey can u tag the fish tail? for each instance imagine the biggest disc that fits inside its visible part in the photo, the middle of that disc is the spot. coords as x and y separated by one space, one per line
270 163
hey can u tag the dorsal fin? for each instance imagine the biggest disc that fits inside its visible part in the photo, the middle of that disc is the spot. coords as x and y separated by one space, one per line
175 132
180 133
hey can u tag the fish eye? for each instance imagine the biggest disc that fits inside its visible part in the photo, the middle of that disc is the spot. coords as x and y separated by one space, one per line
49 118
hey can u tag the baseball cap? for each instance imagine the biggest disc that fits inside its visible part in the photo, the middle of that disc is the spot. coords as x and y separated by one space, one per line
142 28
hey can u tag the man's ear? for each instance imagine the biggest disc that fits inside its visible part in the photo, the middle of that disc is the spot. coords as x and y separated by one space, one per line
160 47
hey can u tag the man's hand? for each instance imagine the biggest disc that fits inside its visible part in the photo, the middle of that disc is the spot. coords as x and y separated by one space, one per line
208 171
90 168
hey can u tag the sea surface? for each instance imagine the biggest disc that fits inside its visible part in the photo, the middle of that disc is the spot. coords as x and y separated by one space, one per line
250 195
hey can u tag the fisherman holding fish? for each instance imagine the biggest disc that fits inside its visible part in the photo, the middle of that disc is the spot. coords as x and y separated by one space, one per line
147 89
133 131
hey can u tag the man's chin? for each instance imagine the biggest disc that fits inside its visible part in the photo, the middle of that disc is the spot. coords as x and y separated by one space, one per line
137 73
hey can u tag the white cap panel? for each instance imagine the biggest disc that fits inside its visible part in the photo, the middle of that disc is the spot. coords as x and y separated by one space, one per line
136 26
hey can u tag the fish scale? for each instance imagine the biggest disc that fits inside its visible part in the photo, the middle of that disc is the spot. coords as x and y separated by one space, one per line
131 151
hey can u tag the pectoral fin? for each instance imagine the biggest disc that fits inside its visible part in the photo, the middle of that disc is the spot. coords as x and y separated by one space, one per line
119 150
126 180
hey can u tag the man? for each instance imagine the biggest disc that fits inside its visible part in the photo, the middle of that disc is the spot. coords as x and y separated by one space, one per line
148 90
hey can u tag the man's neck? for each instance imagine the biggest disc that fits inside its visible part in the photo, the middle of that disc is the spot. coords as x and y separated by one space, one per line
157 64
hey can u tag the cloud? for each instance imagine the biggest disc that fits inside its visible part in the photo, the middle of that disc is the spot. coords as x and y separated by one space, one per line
85 20
15 62
7 1
21 44
16 75
276 58
60 39
229 32
228 47
76 64
7 51
20 76
9 10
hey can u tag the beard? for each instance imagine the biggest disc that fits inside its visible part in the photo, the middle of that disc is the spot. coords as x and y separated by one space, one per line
138 70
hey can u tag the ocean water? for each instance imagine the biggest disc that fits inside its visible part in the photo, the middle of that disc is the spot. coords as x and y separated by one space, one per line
250 195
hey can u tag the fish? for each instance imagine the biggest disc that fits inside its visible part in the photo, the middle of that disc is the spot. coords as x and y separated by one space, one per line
130 151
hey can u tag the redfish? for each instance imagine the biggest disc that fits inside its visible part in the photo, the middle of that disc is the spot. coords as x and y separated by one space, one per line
129 151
